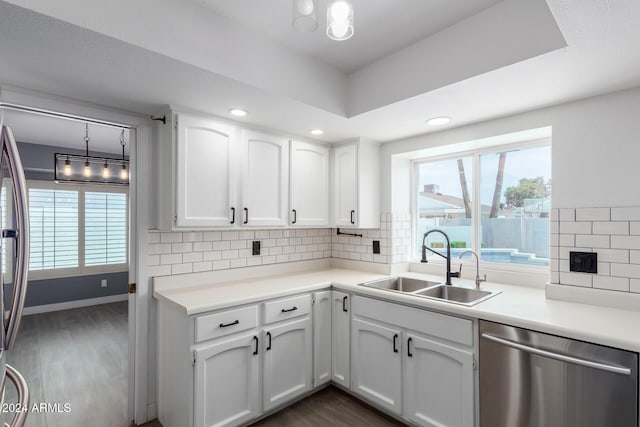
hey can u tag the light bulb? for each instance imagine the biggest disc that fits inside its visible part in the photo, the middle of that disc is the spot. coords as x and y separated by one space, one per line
340 11
305 7
105 171
340 28
123 173
87 170
67 168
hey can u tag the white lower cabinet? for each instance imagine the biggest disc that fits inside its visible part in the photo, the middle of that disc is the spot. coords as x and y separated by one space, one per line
340 339
321 337
414 363
377 364
438 383
287 362
227 382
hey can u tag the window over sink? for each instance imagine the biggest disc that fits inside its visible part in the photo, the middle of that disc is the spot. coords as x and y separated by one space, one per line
495 201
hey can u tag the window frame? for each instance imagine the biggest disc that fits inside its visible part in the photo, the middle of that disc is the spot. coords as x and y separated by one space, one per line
475 202
82 270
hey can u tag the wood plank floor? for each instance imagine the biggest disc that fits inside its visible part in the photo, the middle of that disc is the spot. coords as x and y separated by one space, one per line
328 407
77 356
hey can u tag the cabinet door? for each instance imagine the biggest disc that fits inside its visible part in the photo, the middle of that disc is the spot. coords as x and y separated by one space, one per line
265 163
205 172
438 384
345 190
309 204
340 339
287 359
227 382
376 364
321 337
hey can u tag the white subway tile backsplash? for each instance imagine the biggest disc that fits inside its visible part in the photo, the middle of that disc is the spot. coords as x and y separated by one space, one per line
634 228
202 266
212 236
575 227
203 246
634 285
592 214
153 260
170 237
238 263
212 256
230 254
617 228
592 241
222 264
625 270
564 252
554 215
625 242
171 259
604 269
181 247
230 235
159 270
576 279
221 245
625 214
192 257
192 236
613 255
153 238
567 214
611 283
182 268
566 240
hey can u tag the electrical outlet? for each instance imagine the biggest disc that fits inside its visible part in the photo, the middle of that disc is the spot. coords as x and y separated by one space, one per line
255 247
103 283
376 246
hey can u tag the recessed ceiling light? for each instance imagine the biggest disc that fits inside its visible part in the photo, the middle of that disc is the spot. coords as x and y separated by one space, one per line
238 112
317 132
439 121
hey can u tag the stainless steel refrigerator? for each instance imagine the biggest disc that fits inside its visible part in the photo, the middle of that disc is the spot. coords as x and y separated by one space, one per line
14 260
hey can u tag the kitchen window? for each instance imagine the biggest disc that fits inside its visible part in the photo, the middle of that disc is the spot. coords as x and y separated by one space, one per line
495 202
77 229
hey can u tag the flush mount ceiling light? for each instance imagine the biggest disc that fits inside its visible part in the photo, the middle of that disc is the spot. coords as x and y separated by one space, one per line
238 112
340 20
84 168
317 132
439 121
305 18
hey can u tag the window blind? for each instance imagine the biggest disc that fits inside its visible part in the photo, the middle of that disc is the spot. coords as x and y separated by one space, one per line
105 216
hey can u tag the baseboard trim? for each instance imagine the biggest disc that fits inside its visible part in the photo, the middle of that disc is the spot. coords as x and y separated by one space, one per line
46 308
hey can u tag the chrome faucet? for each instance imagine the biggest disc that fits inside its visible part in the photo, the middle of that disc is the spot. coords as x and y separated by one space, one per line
447 257
478 279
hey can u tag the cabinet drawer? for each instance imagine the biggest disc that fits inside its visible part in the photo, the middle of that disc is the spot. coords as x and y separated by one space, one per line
225 323
438 325
286 308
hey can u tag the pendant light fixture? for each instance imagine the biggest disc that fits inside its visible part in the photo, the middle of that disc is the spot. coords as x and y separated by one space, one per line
305 18
77 167
340 20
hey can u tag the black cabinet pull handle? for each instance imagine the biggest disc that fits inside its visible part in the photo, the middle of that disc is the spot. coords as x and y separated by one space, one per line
224 325
409 347
344 304
269 345
246 215
353 221
233 215
295 216
395 348
256 349
289 309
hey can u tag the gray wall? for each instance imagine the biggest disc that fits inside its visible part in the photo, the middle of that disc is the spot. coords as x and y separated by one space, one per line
52 291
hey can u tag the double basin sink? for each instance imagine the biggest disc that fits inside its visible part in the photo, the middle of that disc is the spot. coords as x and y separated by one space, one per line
433 290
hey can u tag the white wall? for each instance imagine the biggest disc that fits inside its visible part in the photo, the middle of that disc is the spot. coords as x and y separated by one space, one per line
595 150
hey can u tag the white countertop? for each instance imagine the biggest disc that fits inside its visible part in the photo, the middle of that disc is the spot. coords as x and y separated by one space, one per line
516 305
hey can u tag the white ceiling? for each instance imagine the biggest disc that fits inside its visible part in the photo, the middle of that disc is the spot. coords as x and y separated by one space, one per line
510 57
381 26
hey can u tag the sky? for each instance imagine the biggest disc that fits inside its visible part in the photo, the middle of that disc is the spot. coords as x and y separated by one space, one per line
526 163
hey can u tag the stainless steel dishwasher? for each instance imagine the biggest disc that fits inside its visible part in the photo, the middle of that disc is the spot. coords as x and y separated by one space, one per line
532 379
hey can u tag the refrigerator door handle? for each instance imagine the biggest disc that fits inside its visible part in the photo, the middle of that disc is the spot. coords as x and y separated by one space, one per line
10 149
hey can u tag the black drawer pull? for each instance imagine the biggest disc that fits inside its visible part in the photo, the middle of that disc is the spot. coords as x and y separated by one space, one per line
233 215
289 309
256 340
353 221
295 216
269 336
409 347
344 304
246 216
224 325
395 347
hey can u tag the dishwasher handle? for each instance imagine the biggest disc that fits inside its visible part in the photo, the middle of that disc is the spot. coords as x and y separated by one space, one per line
560 357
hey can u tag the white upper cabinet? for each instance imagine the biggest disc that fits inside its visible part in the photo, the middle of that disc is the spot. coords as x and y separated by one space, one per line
205 178
309 181
264 184
356 185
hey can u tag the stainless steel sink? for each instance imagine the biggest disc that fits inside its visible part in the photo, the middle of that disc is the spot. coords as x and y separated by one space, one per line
401 284
456 295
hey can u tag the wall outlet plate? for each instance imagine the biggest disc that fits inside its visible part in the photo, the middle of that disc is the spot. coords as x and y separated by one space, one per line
583 262
255 247
376 246
103 283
